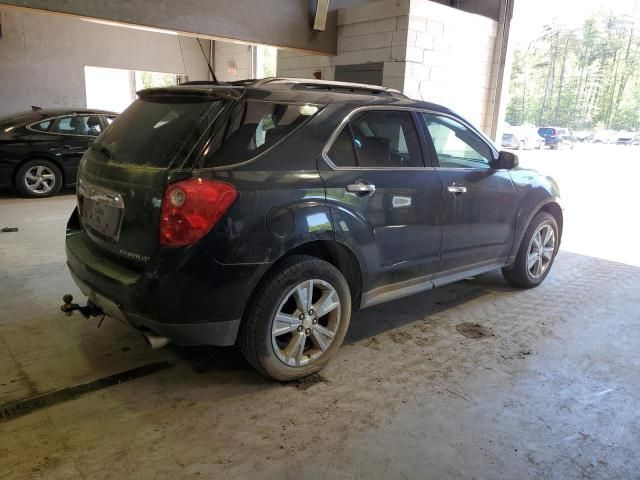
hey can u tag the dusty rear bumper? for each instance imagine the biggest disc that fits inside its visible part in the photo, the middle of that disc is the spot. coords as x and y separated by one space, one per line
204 333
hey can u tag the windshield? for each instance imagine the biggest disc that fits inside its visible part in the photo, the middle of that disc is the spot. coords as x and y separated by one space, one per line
547 131
154 131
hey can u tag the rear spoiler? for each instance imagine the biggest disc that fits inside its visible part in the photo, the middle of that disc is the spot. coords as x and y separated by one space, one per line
194 91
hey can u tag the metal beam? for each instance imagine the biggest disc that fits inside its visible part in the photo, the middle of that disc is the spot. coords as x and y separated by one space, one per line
281 23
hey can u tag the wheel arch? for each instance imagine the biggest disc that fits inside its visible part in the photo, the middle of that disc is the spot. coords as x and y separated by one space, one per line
331 251
554 209
552 206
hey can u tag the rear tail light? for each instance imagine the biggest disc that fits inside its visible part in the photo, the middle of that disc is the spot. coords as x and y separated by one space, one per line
191 208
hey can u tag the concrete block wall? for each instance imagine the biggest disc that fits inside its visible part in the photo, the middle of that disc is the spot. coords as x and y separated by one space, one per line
430 52
230 57
451 59
367 33
42 57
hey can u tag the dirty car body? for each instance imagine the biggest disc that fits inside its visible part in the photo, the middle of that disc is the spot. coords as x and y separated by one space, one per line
397 195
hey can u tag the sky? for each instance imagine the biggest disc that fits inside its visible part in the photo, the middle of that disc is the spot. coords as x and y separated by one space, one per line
531 15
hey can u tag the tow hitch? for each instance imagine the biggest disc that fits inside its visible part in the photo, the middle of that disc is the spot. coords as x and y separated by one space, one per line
89 310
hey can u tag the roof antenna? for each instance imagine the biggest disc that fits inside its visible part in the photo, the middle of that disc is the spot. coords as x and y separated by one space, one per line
213 75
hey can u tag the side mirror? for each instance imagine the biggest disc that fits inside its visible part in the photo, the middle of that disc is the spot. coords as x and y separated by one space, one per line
505 161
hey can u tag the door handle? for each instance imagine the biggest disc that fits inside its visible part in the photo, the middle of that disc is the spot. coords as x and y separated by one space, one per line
361 188
457 189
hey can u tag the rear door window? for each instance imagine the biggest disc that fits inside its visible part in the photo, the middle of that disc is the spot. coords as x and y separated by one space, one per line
341 152
254 127
41 126
83 125
386 138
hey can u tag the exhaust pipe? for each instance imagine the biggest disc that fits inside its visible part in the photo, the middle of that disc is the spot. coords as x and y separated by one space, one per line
155 341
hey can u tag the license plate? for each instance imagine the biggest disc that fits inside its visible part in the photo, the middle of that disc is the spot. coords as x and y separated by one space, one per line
102 218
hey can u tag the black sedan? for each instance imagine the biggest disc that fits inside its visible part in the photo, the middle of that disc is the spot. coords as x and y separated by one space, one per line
40 150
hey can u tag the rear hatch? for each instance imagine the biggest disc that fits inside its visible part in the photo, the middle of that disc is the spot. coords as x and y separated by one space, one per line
124 173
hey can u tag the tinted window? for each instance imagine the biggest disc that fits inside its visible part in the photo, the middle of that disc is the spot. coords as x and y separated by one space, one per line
41 127
456 145
257 126
386 138
153 131
547 131
88 125
341 152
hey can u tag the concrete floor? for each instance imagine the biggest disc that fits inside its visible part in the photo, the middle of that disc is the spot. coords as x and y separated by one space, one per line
551 390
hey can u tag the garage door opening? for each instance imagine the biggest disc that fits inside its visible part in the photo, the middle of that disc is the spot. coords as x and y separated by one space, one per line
574 100
114 89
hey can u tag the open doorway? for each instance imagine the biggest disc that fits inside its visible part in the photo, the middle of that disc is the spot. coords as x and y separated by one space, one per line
266 61
114 89
574 113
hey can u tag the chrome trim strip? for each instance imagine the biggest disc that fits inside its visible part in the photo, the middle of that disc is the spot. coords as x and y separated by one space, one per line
100 194
329 83
394 291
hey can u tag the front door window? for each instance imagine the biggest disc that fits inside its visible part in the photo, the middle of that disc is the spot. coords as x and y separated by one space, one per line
456 145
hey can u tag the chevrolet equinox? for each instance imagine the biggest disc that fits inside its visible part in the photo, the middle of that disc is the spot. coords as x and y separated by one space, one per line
265 212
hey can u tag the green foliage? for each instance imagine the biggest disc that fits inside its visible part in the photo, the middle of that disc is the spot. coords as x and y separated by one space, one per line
579 78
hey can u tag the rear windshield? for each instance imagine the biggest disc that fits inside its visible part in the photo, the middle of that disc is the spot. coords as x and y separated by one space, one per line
155 131
547 131
253 127
12 120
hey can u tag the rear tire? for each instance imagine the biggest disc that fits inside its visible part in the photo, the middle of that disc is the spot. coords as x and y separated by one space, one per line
536 253
285 334
39 178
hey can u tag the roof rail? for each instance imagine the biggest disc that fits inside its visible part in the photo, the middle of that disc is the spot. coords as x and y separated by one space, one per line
333 86
310 85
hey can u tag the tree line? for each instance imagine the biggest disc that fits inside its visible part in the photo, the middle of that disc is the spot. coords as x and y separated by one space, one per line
580 78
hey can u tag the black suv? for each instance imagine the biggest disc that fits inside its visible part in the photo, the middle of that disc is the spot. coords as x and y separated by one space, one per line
265 213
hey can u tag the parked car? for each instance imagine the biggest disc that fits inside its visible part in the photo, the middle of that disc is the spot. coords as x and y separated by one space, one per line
521 138
266 214
40 150
605 136
568 139
636 139
583 136
625 139
555 137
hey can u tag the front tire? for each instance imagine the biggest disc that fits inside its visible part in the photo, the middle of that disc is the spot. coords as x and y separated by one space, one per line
536 253
297 319
39 178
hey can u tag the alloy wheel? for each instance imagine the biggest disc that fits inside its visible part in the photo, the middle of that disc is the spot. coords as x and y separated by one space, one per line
541 250
306 322
40 179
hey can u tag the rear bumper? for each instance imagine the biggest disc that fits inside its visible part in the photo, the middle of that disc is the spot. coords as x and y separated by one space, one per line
192 300
220 333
